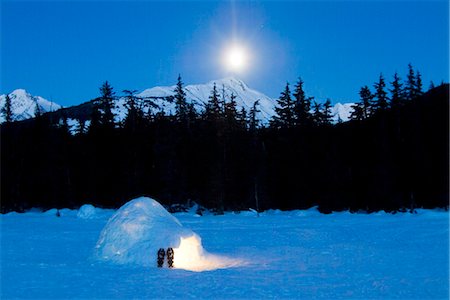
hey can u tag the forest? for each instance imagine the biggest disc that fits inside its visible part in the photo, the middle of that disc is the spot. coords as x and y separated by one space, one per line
392 155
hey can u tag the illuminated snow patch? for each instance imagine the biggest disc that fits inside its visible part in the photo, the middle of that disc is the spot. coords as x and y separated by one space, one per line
138 229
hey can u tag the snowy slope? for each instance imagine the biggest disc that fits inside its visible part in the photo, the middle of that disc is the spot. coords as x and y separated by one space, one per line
292 255
342 111
24 105
198 94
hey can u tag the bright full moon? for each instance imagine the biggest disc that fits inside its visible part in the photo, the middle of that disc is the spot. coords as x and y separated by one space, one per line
236 58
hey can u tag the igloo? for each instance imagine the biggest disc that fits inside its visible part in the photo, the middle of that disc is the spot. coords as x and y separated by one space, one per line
138 229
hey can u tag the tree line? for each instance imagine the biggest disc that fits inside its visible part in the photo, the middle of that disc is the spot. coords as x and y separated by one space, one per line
392 155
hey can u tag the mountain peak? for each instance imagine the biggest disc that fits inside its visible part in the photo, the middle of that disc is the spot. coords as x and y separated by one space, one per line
231 82
24 104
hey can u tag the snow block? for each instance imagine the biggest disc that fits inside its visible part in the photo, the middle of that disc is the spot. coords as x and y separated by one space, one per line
135 233
87 211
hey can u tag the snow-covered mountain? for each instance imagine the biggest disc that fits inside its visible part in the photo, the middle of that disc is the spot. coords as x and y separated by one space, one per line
199 95
23 105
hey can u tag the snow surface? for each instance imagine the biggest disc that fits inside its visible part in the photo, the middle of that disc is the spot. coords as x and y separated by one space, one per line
23 105
296 254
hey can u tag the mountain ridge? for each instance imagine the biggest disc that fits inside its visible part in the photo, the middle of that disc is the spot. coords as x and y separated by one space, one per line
198 94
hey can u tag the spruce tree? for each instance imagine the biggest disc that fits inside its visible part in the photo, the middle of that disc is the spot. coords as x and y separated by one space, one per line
37 110
397 94
419 84
231 114
381 100
432 86
410 89
181 108
254 122
366 100
284 110
7 110
213 110
327 117
96 116
242 118
302 105
135 115
106 100
357 112
317 113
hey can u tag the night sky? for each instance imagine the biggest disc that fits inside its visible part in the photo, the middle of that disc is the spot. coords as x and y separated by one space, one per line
64 50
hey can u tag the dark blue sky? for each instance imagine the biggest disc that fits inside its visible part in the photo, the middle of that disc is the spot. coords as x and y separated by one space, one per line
64 50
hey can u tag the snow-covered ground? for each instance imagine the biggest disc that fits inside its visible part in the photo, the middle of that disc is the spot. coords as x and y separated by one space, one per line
297 254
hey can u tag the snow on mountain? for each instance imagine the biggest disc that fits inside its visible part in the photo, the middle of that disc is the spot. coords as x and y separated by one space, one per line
342 111
23 105
198 94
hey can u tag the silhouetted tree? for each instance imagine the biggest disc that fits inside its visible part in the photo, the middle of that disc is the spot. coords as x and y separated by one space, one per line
181 109
411 88
357 112
213 109
302 106
419 85
366 100
397 93
254 122
327 117
135 115
381 101
317 113
37 110
284 110
231 113
7 110
106 102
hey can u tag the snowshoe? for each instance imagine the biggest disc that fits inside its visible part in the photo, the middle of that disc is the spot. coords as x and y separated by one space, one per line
170 255
161 254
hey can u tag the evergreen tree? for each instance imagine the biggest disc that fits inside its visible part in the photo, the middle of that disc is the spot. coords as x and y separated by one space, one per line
302 105
106 100
284 110
37 110
432 86
358 112
380 96
213 110
326 113
135 115
254 122
242 118
397 97
231 113
366 100
95 117
191 113
7 110
410 89
419 85
81 127
317 113
181 109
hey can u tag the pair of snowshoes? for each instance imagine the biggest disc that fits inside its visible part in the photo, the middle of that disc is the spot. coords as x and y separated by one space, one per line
162 253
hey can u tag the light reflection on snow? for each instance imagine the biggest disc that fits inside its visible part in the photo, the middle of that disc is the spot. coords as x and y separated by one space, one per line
191 256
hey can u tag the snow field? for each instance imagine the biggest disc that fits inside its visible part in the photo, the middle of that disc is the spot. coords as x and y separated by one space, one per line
298 254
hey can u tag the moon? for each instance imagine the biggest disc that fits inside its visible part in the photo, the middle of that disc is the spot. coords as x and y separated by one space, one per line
236 58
